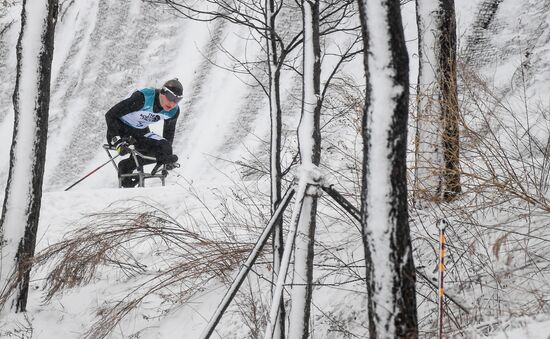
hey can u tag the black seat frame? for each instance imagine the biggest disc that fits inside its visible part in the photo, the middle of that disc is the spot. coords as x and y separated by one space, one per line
159 172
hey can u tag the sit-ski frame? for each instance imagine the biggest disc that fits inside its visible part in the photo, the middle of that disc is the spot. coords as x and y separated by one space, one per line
159 171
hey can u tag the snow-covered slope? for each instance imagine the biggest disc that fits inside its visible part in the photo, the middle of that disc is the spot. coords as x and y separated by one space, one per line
106 49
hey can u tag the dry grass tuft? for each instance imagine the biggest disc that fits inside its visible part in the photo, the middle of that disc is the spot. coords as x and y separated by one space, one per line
123 238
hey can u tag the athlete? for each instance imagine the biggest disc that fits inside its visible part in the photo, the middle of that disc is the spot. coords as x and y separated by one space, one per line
130 120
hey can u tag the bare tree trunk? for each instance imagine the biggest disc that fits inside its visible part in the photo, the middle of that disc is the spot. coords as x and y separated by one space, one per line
309 139
275 150
384 214
449 104
31 98
437 170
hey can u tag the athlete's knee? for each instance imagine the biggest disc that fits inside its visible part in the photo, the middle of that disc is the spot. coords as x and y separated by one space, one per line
165 147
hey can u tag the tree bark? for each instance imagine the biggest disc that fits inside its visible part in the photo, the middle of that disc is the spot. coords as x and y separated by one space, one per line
449 104
21 209
384 214
309 140
275 151
437 170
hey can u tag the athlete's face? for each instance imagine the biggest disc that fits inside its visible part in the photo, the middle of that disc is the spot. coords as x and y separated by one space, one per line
166 103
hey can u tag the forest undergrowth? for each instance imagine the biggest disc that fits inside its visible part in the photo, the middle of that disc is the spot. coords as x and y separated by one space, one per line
496 245
497 266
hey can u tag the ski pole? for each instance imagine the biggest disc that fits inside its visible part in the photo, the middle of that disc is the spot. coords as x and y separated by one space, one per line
92 172
441 295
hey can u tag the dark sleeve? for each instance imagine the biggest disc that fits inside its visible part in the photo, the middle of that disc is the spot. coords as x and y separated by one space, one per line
132 104
169 129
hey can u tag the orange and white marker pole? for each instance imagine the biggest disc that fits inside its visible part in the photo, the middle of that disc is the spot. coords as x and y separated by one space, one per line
442 224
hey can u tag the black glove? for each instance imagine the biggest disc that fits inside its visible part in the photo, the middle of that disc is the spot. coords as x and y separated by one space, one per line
170 161
130 140
115 140
167 159
110 138
122 145
123 148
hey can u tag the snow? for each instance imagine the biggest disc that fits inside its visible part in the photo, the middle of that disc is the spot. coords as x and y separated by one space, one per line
99 57
532 329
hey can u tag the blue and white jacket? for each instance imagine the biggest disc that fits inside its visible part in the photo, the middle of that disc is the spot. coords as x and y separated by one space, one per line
134 114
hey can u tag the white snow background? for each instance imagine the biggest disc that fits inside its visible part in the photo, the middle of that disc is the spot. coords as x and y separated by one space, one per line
104 50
